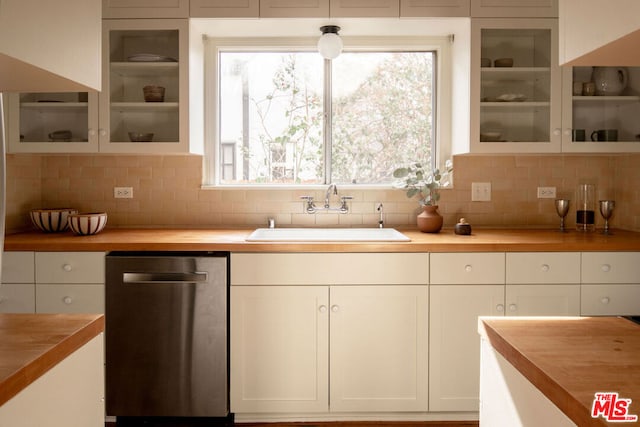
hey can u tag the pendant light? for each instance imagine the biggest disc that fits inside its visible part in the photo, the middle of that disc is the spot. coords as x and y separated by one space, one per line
330 43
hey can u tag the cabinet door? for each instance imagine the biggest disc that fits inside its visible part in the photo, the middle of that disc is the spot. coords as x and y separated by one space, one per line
225 8
364 8
53 122
610 300
136 54
145 8
543 300
279 349
379 348
454 343
515 108
417 8
514 8
17 298
18 267
587 114
77 298
294 8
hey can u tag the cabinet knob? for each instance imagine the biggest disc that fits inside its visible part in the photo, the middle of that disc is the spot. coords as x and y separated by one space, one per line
102 132
322 309
605 300
468 268
67 300
92 132
557 132
513 307
545 267
67 267
606 268
500 308
335 308
567 131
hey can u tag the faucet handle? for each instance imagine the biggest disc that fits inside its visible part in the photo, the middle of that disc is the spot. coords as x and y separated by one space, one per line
343 207
310 206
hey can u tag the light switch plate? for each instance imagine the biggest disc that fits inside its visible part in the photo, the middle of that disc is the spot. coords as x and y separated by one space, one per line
480 191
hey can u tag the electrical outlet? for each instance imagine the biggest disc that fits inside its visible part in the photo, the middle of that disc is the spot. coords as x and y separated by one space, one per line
546 192
480 191
123 192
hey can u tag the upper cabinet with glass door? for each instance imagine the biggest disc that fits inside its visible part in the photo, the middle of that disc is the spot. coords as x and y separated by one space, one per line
143 106
515 86
602 109
53 122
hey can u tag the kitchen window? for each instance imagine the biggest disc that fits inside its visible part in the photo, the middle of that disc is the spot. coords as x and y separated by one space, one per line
282 115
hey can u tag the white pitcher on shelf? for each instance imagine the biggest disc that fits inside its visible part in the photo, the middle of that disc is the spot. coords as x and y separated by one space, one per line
610 81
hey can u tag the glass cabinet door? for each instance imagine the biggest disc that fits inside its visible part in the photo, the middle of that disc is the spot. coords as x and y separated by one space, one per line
53 122
603 106
515 86
143 106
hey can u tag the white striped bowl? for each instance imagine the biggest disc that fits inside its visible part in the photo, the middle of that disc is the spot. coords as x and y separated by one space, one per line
51 220
84 224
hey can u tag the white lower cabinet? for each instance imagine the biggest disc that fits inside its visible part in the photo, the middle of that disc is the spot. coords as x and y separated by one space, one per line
17 291
454 343
315 348
465 286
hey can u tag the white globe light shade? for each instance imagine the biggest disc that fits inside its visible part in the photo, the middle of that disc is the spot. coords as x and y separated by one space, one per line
330 45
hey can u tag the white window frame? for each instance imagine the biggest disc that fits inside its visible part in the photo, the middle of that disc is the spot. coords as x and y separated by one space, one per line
214 45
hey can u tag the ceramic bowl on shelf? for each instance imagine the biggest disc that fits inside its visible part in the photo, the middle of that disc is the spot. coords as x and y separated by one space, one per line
85 224
153 93
503 62
140 137
51 220
490 136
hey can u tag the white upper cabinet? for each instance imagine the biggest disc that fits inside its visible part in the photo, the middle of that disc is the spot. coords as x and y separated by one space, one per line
364 8
418 8
514 8
145 8
516 102
294 8
584 115
49 45
225 8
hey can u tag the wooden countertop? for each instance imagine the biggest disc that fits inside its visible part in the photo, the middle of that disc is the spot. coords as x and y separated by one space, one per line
570 359
482 240
31 344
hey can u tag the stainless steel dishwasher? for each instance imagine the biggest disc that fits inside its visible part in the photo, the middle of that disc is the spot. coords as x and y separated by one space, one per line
166 334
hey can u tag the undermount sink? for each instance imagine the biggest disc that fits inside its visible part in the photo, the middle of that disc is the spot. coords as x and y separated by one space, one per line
327 235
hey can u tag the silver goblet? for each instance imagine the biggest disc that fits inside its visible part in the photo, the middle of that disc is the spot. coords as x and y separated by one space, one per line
562 208
606 210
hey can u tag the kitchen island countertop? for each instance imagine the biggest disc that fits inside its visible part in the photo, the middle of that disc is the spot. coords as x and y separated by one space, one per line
233 240
570 359
32 344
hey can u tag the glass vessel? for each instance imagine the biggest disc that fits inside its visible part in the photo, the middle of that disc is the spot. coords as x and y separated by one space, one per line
585 207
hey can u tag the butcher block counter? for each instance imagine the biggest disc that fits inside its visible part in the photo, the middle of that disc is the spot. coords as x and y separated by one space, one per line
233 240
32 344
569 360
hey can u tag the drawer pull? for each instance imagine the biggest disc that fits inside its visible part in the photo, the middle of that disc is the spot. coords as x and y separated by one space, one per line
335 308
322 309
468 268
513 307
605 300
67 267
500 308
67 300
545 267
606 268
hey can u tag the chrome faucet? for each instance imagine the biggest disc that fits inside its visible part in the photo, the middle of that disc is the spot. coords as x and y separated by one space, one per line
328 194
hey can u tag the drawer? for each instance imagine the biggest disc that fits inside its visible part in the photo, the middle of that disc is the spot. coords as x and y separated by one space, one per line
467 268
330 269
17 298
18 267
78 298
610 300
70 267
611 267
543 267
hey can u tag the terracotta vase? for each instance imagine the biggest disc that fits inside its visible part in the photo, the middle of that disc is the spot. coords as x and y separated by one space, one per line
429 220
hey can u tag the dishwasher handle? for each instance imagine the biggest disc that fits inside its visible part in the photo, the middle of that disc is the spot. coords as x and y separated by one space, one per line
194 277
